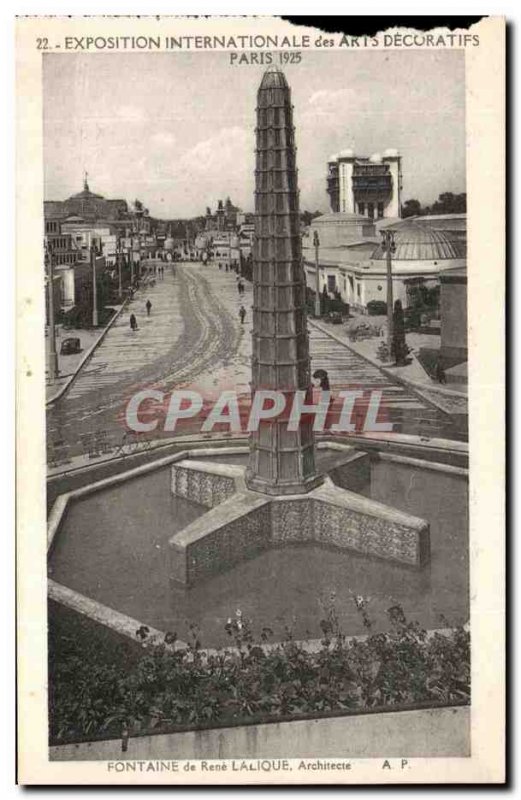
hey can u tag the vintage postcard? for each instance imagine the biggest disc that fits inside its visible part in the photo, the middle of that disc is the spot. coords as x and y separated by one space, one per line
260 400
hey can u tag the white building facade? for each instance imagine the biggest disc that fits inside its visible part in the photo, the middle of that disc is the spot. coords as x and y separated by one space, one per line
421 254
369 186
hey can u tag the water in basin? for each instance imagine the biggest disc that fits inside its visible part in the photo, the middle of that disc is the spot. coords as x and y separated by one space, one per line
113 547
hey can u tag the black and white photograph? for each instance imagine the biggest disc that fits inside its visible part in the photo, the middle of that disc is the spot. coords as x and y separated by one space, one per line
258 354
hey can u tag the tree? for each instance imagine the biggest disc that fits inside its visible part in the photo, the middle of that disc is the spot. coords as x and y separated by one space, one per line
324 300
412 208
307 216
449 203
399 347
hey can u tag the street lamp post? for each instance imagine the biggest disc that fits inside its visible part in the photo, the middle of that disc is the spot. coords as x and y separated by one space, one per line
94 286
131 261
316 243
389 247
118 259
54 371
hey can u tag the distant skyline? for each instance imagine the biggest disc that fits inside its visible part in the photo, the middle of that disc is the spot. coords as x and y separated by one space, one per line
177 131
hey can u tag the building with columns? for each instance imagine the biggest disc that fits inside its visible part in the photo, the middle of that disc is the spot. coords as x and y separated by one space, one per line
368 186
357 269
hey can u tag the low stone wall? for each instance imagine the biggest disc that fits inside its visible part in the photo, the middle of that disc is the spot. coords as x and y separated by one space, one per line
354 474
292 521
109 618
203 483
331 518
425 733
250 522
234 531
371 534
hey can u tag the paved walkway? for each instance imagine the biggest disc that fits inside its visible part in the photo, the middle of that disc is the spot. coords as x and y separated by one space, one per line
67 364
194 338
408 412
125 351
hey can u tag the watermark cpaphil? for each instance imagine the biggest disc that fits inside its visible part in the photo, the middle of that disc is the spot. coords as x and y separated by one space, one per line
349 409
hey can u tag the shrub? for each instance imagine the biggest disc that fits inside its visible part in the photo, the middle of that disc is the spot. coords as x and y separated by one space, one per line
399 349
376 308
99 692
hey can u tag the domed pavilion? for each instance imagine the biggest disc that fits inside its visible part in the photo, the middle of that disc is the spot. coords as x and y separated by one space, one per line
358 269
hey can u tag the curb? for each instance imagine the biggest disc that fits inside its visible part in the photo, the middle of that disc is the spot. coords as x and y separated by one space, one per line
126 626
59 394
239 440
419 388
59 506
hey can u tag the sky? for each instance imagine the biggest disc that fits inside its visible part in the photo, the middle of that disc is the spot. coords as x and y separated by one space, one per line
176 130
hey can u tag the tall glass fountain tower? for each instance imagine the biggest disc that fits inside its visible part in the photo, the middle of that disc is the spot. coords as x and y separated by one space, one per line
281 462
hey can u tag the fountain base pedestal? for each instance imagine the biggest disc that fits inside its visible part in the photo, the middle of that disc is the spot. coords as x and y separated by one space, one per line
241 522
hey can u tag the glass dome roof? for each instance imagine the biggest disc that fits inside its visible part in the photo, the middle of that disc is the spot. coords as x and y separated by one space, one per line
416 242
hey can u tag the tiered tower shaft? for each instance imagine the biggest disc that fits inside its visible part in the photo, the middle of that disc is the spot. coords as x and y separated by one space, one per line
282 462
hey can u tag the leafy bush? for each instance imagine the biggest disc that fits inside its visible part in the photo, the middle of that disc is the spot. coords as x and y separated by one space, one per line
95 691
376 308
80 316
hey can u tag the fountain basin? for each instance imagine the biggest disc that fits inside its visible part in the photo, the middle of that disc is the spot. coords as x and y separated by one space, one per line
111 544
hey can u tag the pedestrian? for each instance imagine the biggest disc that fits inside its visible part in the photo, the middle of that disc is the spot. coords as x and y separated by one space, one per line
242 314
133 322
239 287
322 379
148 307
440 372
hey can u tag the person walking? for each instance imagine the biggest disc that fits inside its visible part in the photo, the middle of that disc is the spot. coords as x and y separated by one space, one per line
242 314
440 372
148 307
133 322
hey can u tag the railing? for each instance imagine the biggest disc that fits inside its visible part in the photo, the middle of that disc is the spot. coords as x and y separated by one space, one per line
98 445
